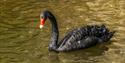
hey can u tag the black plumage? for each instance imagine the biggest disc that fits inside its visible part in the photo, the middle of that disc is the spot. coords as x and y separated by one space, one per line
85 37
79 38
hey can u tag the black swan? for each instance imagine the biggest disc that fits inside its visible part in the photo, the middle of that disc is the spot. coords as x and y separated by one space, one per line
79 38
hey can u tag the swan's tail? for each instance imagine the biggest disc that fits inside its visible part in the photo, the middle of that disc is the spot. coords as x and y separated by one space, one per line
108 36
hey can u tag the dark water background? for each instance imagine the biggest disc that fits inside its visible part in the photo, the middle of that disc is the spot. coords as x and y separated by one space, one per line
22 42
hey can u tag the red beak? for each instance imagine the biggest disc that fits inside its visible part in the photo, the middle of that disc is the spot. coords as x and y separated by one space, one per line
42 21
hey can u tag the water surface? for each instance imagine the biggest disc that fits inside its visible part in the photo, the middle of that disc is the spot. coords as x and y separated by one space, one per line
22 42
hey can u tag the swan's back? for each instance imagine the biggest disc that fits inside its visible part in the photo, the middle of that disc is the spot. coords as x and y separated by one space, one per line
84 37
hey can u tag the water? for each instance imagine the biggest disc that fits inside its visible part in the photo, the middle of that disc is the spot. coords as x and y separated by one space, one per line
22 42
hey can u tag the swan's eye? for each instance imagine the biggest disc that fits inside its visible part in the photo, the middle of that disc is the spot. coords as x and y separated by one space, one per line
41 16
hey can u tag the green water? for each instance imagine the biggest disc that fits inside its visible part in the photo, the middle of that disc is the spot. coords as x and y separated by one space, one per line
21 41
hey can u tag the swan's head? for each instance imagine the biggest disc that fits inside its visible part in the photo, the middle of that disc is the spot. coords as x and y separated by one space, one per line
43 17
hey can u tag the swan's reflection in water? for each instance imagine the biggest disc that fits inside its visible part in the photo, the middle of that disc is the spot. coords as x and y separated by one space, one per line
87 55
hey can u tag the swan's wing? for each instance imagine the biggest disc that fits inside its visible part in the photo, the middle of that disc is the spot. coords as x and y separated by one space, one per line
84 37
76 40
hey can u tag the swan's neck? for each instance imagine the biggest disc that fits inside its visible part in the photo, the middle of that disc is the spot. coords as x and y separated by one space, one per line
55 33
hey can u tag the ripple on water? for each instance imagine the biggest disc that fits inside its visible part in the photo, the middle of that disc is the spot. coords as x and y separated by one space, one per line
21 42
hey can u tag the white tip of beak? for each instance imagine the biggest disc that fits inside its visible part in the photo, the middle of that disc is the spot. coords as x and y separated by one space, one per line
41 26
